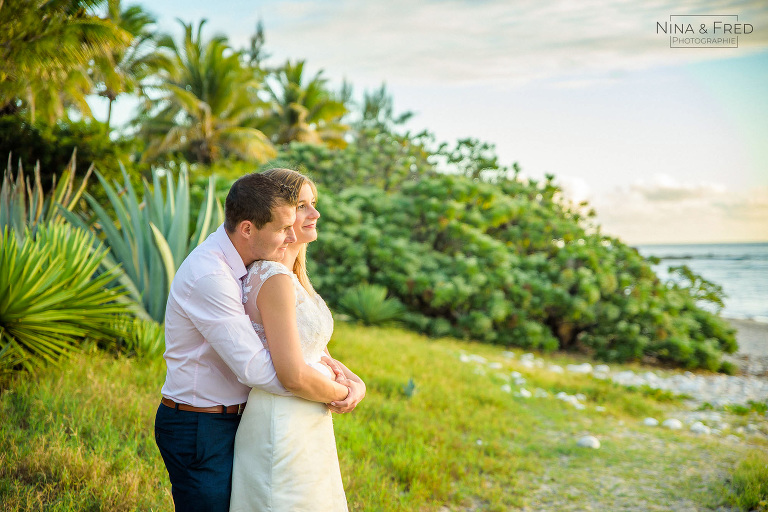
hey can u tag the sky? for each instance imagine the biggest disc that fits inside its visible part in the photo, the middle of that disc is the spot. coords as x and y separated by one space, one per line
668 145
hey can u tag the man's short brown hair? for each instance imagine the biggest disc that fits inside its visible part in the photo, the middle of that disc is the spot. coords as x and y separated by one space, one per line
253 197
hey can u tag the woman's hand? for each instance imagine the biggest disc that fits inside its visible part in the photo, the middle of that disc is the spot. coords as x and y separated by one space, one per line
353 382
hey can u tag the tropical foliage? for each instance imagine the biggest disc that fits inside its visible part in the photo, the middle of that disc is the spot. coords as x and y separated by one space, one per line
124 69
51 295
151 236
508 263
45 48
369 304
208 103
304 111
24 207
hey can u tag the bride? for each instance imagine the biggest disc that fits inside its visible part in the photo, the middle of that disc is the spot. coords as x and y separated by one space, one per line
285 450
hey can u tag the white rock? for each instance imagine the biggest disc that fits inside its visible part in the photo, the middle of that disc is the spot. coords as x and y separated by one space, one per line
700 428
516 375
589 442
477 359
580 368
601 376
602 368
524 393
495 366
732 438
479 442
600 408
580 397
540 393
527 363
651 422
673 424
508 354
527 357
751 427
579 406
555 368
506 388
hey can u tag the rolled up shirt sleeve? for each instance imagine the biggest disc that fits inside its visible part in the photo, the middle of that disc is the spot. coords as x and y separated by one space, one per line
217 312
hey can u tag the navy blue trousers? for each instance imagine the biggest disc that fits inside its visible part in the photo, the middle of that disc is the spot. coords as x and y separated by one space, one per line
197 449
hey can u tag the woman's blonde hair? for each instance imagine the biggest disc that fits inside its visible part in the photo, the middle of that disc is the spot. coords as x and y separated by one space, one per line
294 181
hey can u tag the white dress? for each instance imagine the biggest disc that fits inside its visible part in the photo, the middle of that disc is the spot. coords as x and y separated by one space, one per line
285 450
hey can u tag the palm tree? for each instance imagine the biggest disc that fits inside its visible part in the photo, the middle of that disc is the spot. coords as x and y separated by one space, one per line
209 103
304 112
124 69
45 46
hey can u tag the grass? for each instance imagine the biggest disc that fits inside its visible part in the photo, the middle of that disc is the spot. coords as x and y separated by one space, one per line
433 434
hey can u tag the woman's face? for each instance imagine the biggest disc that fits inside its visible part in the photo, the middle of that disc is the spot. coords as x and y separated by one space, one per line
306 216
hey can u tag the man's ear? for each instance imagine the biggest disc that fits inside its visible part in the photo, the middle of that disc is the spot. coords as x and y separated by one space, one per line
245 229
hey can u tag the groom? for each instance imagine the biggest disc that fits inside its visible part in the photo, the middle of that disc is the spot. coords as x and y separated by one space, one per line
213 355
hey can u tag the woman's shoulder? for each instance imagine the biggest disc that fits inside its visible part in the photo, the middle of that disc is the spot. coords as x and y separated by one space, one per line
264 269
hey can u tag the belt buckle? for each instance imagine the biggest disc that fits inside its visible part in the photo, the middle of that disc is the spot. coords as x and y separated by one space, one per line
240 409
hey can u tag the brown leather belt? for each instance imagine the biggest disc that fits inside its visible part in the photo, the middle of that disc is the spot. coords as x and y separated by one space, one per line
220 409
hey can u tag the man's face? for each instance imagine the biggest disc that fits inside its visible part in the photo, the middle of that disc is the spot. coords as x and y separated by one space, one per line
270 242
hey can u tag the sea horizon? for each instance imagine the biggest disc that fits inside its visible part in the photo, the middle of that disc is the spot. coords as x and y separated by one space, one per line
741 268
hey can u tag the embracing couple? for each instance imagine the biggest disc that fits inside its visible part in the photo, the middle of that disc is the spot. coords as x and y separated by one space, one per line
245 418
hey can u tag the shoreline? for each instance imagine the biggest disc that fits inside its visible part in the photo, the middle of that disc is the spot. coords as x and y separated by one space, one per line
752 354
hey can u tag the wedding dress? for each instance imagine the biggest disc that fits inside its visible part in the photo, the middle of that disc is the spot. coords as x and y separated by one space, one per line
285 449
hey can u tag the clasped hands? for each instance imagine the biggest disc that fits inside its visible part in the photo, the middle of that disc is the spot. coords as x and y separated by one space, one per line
356 389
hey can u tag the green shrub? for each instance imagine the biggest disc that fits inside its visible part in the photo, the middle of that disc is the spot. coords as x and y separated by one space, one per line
510 263
369 304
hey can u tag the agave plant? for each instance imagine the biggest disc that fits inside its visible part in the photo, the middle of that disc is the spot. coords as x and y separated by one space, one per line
144 338
150 237
51 295
24 206
369 304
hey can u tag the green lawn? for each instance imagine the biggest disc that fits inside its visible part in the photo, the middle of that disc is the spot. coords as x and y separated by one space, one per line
80 437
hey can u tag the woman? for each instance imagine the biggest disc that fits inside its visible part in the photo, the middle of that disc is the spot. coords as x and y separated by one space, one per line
285 450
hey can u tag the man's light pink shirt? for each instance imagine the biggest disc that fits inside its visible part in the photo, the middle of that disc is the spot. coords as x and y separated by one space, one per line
213 355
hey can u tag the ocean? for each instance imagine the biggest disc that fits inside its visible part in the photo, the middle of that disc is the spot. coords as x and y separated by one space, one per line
741 269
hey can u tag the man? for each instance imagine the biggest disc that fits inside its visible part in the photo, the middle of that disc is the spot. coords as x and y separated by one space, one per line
213 355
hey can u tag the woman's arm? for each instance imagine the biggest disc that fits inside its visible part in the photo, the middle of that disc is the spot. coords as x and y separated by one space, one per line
276 302
356 388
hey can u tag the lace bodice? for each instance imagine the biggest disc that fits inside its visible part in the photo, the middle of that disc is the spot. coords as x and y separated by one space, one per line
313 317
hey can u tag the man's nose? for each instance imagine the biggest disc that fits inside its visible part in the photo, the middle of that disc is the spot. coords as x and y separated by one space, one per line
291 238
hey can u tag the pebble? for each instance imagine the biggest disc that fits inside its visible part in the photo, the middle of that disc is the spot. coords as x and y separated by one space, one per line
700 428
717 390
589 442
506 388
651 422
508 354
556 368
580 368
524 393
673 424
495 366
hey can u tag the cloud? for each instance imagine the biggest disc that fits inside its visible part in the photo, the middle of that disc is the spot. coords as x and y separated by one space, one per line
666 188
665 211
506 42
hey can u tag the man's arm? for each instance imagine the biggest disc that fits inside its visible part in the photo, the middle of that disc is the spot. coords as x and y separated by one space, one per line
217 312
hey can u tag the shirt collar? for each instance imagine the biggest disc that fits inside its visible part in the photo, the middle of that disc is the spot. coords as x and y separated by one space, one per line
231 255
